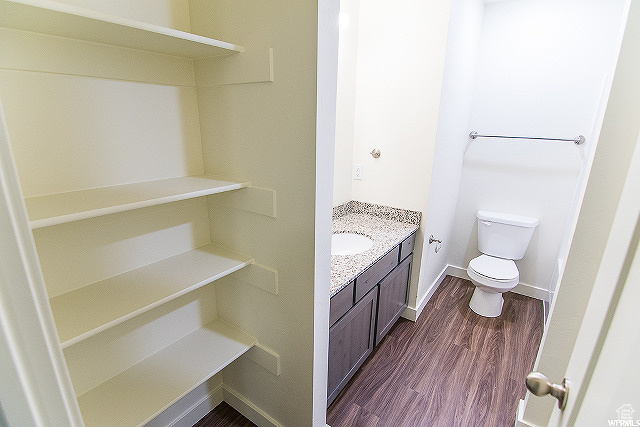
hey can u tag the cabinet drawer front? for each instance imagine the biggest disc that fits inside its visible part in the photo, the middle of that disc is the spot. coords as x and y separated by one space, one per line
341 303
371 276
406 248
350 343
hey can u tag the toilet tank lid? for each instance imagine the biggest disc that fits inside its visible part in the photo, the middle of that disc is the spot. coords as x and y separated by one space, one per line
509 219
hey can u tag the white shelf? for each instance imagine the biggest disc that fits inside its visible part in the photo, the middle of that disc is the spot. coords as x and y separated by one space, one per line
58 19
60 208
138 394
84 312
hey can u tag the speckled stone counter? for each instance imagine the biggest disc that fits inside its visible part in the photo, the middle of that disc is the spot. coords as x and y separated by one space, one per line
386 226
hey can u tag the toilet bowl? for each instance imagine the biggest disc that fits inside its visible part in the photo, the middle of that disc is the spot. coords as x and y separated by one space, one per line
502 238
492 277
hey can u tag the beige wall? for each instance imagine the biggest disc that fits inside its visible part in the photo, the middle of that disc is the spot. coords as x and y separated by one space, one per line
399 70
266 132
111 115
346 103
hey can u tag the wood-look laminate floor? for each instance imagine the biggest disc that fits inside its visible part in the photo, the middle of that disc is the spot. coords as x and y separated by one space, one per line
224 415
450 368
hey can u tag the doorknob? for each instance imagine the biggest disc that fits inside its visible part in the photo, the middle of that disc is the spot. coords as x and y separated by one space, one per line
540 385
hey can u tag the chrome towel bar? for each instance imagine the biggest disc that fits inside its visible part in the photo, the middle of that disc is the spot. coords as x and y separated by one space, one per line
577 140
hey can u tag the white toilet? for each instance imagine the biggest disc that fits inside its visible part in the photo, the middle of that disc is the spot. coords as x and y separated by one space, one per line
502 238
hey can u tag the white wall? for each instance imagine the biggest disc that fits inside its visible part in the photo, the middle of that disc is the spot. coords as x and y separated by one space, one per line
542 69
346 102
455 108
401 48
588 262
400 62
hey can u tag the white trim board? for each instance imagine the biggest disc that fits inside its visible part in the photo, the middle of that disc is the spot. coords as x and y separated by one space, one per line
248 409
192 407
253 66
197 404
519 421
412 313
521 288
201 409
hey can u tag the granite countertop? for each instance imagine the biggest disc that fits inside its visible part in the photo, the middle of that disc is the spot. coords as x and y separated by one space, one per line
386 226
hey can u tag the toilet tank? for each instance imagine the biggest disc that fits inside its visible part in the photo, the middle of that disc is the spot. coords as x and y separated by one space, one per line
504 235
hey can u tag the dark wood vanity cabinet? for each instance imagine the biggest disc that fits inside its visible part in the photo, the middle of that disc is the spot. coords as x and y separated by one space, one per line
350 343
393 294
372 275
380 294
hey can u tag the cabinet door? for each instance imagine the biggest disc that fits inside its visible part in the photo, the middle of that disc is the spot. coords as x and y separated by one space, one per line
392 301
350 343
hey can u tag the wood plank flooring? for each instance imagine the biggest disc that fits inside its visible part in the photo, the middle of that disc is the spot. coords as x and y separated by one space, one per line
224 415
451 368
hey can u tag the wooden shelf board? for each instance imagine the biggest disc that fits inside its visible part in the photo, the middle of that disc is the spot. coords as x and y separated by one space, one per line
89 310
135 396
58 19
60 208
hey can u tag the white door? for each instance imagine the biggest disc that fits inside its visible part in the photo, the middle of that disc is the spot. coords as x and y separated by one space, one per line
593 334
593 337
603 371
35 387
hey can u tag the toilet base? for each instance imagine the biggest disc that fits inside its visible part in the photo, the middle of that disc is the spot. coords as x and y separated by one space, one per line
487 304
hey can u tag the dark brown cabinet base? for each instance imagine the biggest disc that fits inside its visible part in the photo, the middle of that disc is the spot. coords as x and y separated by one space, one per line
357 329
392 298
350 343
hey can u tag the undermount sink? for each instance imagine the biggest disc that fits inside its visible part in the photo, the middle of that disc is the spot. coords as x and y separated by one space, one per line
349 243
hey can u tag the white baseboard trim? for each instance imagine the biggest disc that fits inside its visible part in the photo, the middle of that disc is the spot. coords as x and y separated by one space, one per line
248 409
199 410
519 413
522 288
459 272
191 408
532 291
205 404
412 313
203 399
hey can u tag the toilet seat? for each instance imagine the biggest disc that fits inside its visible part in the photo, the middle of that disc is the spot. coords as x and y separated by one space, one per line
490 285
494 269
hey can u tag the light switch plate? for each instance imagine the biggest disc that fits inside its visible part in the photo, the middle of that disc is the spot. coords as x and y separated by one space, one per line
357 171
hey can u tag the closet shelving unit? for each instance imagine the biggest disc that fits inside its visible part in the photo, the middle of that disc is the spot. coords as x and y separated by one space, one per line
91 309
53 209
139 393
58 19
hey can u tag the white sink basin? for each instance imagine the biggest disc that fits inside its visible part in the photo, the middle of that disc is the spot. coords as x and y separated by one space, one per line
349 243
